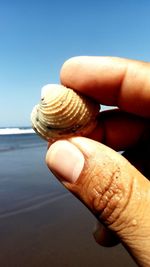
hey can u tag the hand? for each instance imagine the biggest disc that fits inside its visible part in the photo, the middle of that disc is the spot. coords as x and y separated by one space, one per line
116 192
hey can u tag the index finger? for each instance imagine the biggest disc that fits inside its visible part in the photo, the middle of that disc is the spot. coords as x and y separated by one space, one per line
111 81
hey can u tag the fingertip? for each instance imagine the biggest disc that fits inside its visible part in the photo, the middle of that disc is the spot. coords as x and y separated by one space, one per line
74 60
66 73
93 76
70 157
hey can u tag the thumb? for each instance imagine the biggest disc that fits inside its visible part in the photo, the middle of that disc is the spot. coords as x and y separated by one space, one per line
116 192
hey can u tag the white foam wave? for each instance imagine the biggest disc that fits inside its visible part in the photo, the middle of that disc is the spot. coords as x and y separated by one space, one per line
6 131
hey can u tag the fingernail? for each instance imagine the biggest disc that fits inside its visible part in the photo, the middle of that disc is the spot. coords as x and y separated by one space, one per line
65 160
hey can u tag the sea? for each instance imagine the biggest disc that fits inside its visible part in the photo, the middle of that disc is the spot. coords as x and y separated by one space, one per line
41 223
18 138
22 165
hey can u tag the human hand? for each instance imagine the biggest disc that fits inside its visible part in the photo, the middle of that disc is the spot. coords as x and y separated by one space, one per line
116 192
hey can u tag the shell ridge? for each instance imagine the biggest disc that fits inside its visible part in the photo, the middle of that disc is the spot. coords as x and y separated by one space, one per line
64 113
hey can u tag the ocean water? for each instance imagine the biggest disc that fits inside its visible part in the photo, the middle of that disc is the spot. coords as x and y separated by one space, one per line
25 181
10 142
41 223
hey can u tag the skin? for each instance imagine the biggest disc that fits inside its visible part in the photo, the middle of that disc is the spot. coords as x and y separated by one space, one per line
116 190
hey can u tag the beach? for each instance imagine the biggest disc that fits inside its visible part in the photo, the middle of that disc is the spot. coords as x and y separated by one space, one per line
41 223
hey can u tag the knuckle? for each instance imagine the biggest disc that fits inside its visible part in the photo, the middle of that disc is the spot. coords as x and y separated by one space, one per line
107 189
107 194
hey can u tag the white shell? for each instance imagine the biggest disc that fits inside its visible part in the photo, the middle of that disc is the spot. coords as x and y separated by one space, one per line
63 112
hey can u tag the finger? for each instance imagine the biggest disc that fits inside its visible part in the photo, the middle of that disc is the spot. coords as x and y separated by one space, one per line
112 81
116 193
105 237
119 130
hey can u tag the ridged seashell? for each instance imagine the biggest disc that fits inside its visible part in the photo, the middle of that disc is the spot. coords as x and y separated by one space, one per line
63 112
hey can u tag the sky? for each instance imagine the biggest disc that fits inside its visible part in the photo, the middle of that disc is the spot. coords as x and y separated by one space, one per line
38 36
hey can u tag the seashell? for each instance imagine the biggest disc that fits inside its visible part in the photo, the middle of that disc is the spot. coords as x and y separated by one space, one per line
63 113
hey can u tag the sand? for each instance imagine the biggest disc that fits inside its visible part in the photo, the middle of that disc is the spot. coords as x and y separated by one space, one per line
41 223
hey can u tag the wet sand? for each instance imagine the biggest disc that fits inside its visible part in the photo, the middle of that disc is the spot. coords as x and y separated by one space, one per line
43 225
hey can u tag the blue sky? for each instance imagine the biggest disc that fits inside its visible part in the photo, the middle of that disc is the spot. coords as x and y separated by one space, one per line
37 36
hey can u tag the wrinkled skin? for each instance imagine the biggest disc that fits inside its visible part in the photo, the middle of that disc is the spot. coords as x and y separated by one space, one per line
114 187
